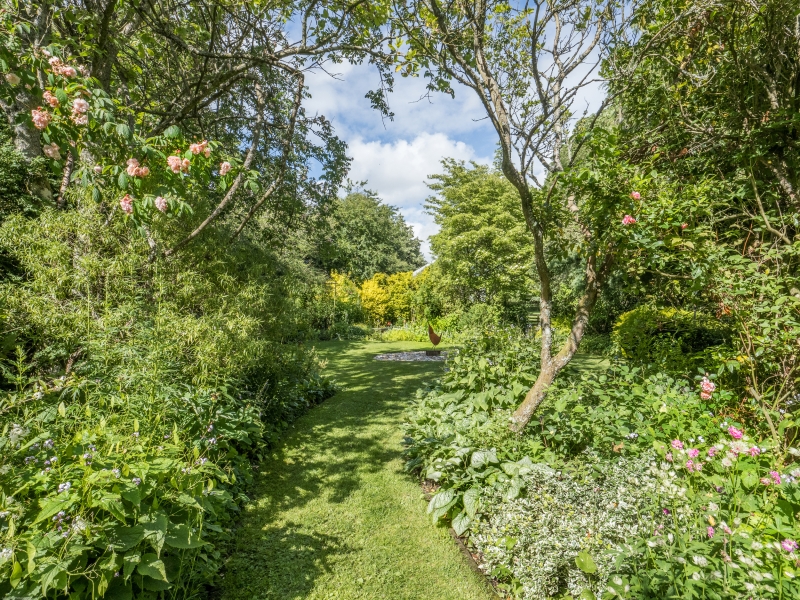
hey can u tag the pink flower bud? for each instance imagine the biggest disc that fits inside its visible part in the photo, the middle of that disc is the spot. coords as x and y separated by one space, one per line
684 226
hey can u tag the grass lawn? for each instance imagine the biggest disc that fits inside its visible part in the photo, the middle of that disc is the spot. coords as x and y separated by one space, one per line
332 514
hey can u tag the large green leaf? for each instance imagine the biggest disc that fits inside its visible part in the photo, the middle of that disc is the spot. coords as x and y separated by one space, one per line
441 499
155 527
152 566
472 499
181 536
461 523
585 562
123 538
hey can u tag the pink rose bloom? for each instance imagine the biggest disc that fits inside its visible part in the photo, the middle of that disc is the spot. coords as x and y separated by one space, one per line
55 62
161 204
126 204
67 71
80 106
185 165
143 172
98 169
789 545
224 168
710 531
677 444
735 433
628 220
707 385
174 163
712 452
12 79
52 151
766 481
50 98
198 148
776 477
636 195
80 119
207 152
41 118
754 451
693 452
705 395
133 164
668 457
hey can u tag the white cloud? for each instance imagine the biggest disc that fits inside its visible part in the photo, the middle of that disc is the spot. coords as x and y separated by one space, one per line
398 171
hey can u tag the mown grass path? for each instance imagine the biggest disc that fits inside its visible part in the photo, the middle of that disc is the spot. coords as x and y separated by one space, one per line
333 515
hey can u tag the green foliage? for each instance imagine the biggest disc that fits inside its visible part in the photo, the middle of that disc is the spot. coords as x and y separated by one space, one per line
676 341
366 237
174 374
483 250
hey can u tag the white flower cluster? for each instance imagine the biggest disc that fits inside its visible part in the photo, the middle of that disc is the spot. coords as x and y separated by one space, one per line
539 535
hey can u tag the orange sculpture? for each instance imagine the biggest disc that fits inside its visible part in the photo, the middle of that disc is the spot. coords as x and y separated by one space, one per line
435 339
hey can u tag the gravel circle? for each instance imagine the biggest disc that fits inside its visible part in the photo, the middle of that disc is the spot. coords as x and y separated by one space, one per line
411 356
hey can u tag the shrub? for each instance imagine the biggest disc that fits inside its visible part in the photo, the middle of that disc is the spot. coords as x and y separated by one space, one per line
667 338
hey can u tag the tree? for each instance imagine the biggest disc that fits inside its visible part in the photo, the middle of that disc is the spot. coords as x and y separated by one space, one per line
365 237
160 74
526 64
483 251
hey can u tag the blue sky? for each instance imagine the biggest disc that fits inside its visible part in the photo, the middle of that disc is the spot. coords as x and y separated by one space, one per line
396 157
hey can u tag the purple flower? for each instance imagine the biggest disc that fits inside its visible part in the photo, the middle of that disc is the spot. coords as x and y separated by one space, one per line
789 545
710 531
64 487
776 477
49 444
735 433
766 481
665 511
677 444
712 452
136 481
693 452
754 451
668 457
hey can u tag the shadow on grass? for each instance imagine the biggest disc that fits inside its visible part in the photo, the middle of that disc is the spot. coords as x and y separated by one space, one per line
325 457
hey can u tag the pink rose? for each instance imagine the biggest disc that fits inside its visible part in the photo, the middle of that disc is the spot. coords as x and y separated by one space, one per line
628 220
705 395
80 119
185 164
707 385
143 172
133 164
207 152
224 168
50 99
126 204
174 163
80 106
161 204
41 118
198 148
636 195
